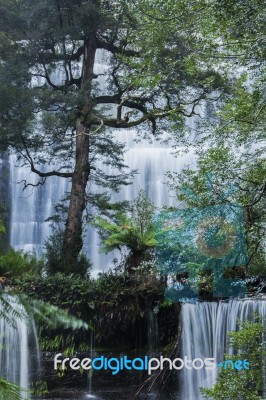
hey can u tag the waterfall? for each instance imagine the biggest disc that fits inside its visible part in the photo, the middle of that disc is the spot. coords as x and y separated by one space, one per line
204 334
18 343
152 331
30 208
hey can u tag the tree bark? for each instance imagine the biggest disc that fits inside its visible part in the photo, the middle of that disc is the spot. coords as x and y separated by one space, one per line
72 243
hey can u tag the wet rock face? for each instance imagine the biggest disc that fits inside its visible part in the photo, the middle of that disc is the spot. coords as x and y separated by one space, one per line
4 200
55 379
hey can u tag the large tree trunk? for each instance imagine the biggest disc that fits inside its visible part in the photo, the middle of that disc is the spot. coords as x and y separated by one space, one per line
72 243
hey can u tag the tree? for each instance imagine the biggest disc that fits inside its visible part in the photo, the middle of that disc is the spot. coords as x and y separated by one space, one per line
226 176
231 145
150 78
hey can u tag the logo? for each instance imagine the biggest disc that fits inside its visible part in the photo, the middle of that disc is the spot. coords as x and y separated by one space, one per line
193 240
144 364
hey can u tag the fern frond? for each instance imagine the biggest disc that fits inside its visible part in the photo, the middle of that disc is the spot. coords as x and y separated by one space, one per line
10 391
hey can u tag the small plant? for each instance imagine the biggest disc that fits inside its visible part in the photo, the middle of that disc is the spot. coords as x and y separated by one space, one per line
39 388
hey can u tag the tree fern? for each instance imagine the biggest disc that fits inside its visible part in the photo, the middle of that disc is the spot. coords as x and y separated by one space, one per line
133 230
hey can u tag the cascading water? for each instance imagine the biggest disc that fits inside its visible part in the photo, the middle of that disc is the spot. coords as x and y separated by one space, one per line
18 343
30 208
205 325
204 334
153 330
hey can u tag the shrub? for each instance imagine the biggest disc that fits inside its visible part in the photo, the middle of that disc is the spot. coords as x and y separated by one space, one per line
53 256
247 384
17 263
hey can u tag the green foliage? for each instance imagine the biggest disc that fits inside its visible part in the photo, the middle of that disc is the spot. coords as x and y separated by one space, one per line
49 315
176 59
248 344
10 391
154 81
58 328
23 306
39 388
10 309
124 233
16 102
69 293
132 229
121 299
230 145
112 303
15 264
53 256
69 342
241 24
2 227
66 291
226 175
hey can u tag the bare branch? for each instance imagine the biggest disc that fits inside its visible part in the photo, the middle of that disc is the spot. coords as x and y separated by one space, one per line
258 196
101 44
38 172
25 184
